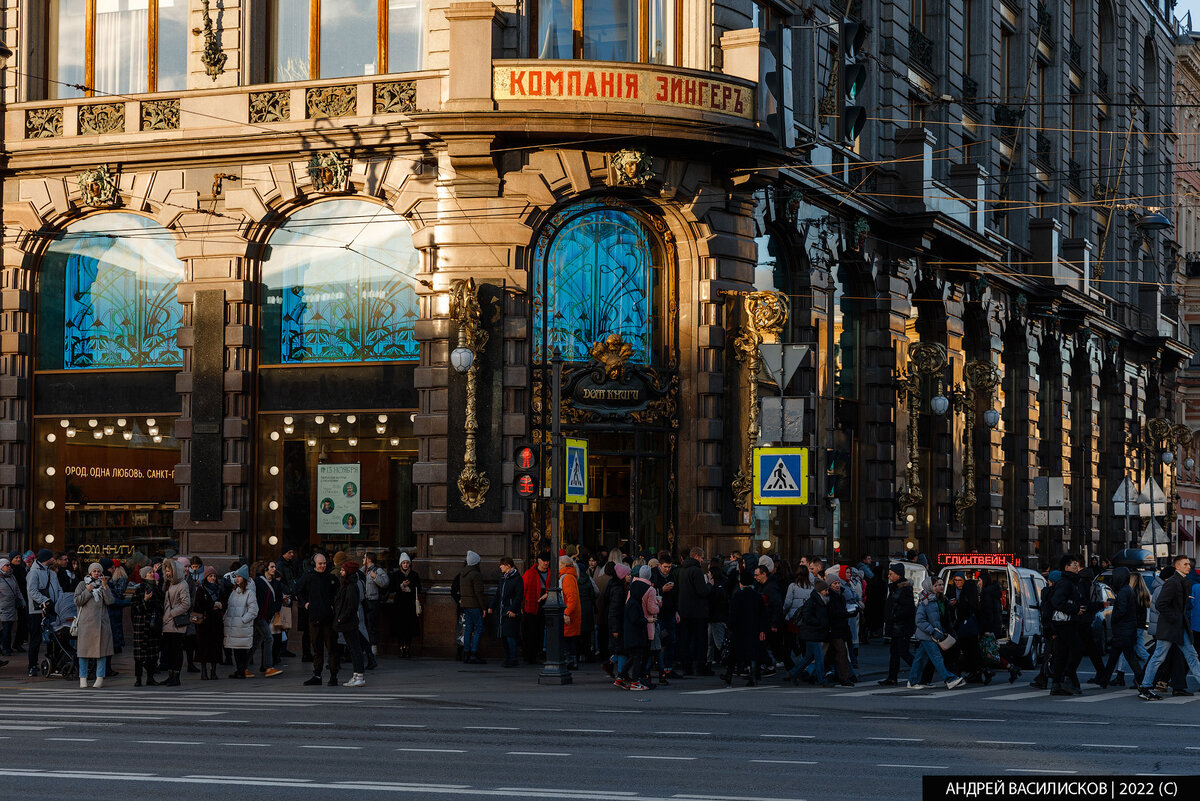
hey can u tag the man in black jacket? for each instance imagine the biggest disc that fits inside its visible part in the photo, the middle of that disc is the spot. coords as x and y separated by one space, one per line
1046 613
1069 615
694 591
838 650
1172 632
899 620
316 592
769 590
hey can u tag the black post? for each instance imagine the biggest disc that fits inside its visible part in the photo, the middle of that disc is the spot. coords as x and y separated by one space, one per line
554 671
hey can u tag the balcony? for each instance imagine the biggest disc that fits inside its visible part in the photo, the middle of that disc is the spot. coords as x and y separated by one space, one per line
1043 152
1102 86
1075 175
920 50
1009 120
970 100
1075 54
1043 24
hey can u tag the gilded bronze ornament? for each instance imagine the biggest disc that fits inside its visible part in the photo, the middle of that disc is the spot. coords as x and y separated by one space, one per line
212 57
473 484
980 378
613 354
329 172
1177 436
633 167
924 359
765 315
97 187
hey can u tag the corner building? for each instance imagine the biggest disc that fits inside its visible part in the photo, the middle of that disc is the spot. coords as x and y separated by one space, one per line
244 239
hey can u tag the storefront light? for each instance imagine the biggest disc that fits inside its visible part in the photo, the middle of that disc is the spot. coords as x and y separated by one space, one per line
121 422
272 540
109 430
274 436
64 423
766 545
910 517
51 437
128 435
320 418
287 421
50 470
70 432
334 428
394 441
49 539
353 441
412 418
152 431
274 470
49 504
380 429
150 422
93 423
288 429
273 505
351 418
910 545
98 434
312 443
157 438
383 418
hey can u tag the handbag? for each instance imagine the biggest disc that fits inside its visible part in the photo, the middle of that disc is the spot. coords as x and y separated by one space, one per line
75 627
195 618
1061 617
180 621
989 649
418 602
947 642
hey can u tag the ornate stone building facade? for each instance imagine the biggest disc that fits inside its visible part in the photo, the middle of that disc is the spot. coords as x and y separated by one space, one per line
243 265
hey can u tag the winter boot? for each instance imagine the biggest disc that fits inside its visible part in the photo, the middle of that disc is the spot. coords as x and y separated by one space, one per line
83 682
99 682
1059 689
172 678
137 673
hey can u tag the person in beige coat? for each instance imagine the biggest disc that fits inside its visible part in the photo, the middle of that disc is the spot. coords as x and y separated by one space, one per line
95 642
177 603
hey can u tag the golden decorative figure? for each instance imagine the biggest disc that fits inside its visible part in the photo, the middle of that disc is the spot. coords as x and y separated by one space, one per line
979 378
473 483
633 167
924 359
97 187
613 353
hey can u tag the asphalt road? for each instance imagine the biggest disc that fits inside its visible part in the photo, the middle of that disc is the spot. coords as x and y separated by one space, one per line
431 729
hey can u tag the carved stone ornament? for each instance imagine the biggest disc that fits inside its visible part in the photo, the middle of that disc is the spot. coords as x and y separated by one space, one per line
101 118
160 115
213 58
633 167
97 187
331 101
395 97
43 123
271 106
329 172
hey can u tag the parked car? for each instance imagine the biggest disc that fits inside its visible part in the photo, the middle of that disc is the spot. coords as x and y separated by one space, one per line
1021 591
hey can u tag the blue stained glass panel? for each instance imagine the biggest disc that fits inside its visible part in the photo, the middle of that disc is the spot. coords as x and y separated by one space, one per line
601 281
339 284
107 296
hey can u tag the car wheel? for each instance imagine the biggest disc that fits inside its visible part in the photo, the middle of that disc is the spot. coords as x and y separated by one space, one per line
1030 660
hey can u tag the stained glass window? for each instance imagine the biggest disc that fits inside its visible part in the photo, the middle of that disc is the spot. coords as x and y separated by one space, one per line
339 282
601 281
106 296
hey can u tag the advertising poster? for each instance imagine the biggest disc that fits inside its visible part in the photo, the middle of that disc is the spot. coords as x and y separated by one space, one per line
338 498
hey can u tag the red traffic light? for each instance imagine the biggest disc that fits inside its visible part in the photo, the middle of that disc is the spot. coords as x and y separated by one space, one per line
526 458
526 487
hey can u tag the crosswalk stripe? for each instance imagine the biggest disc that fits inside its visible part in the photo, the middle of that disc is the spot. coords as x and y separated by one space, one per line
1094 697
1016 696
874 691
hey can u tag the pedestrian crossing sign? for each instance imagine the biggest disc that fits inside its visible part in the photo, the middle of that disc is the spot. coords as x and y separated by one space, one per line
577 471
780 476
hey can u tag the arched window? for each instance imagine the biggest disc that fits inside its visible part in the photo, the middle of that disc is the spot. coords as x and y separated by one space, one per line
599 262
117 47
338 286
106 296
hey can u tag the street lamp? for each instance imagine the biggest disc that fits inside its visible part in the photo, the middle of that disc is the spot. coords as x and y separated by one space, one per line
1154 221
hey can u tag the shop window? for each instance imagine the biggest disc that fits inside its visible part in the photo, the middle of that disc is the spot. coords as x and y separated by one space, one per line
598 262
116 47
609 30
106 296
312 39
339 282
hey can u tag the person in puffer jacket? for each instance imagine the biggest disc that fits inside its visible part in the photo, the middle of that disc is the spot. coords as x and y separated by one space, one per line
241 610
928 634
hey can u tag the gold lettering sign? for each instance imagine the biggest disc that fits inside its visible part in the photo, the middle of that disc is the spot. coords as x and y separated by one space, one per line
635 85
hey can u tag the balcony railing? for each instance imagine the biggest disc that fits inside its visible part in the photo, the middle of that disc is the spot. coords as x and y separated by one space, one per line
1102 81
920 49
970 90
1075 54
1044 150
1075 175
1043 24
1009 119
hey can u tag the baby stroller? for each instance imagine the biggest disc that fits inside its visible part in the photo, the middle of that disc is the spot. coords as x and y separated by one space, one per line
60 658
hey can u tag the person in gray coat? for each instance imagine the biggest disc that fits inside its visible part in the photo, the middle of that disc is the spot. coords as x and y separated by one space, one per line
10 604
929 633
95 643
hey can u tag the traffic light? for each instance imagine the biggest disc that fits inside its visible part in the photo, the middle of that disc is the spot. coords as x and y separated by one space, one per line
852 79
525 480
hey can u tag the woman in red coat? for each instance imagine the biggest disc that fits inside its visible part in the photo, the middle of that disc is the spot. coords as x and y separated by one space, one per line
568 582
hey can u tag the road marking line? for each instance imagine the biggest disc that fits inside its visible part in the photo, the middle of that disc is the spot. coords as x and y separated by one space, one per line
560 790
587 731
1106 745
335 747
899 739
1093 698
721 690
222 720
620 711
695 733
1082 722
919 767
537 753
401 725
1035 770
7 727
168 742
248 745
792 715
729 797
539 709
783 762
71 739
1015 696
242 778
1177 701
493 728
873 691
434 750
790 736
1188 725
979 720
1005 742
306 723
655 756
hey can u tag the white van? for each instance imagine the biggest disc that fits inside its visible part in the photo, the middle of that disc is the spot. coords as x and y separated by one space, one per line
1021 592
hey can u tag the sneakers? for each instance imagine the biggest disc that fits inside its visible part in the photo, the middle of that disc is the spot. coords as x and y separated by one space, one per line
357 680
637 685
1146 694
100 683
911 686
315 681
83 682
887 683
272 672
955 682
621 684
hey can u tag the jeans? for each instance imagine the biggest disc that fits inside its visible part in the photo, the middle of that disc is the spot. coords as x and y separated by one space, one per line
472 630
814 654
101 667
929 651
1161 649
264 643
510 649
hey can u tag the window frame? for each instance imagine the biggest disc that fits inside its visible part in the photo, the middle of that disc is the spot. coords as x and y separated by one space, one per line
382 29
643 32
89 48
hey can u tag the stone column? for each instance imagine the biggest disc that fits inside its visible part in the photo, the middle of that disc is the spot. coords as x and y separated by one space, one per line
1022 414
16 375
1085 445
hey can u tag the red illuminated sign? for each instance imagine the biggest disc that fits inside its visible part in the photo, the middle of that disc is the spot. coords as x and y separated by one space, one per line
525 486
990 559
526 459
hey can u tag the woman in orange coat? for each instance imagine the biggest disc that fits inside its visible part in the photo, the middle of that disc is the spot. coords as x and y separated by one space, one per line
568 581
